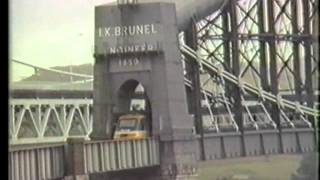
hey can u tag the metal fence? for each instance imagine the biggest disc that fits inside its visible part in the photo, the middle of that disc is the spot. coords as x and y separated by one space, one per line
101 156
42 162
36 163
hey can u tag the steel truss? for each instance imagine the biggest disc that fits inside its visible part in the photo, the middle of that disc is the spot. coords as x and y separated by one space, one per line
49 120
256 64
272 45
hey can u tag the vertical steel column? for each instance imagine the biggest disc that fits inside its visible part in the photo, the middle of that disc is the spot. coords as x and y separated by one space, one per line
191 41
227 59
263 59
296 61
226 41
237 109
315 33
307 58
296 52
262 43
275 111
316 55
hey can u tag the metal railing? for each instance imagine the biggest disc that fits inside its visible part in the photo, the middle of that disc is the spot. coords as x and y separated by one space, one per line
102 156
49 120
36 163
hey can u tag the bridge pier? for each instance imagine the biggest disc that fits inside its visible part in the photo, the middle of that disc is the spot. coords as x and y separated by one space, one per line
168 170
178 158
178 162
74 160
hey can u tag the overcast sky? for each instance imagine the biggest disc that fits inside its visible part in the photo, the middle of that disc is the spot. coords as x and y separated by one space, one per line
50 33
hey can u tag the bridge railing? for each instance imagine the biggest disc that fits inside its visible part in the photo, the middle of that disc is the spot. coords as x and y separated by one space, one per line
110 155
36 163
49 120
57 161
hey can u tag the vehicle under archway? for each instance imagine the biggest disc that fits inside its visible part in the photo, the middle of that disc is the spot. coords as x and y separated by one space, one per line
132 113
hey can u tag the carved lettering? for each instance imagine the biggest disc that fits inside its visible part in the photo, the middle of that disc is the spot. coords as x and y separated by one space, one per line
120 48
150 47
130 49
143 47
128 62
131 30
100 32
139 29
153 29
133 48
103 32
117 31
125 31
112 50
136 61
106 31
147 28
136 48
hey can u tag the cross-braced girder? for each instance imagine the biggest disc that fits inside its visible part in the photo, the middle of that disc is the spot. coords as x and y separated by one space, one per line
45 120
251 41
269 44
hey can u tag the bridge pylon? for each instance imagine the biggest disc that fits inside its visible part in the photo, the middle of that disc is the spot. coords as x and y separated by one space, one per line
138 44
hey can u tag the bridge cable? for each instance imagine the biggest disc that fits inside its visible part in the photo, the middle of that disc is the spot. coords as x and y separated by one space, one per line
230 77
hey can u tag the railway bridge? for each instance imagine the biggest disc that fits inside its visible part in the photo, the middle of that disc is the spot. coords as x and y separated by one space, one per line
222 79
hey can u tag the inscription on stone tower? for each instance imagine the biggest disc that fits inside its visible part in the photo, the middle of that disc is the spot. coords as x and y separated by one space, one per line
140 44
133 30
127 39
127 43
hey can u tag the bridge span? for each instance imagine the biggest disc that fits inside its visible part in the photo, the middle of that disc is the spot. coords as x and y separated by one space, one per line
211 75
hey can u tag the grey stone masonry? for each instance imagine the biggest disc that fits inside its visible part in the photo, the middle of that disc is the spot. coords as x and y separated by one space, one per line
139 43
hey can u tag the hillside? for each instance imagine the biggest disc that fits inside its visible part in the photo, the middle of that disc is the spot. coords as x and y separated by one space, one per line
42 75
44 79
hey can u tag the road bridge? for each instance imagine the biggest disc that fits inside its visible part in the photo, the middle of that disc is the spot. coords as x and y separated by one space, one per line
234 57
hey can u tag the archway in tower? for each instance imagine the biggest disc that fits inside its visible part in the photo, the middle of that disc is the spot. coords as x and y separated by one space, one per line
132 100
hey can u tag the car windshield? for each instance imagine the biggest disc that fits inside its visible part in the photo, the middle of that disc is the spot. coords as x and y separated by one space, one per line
127 125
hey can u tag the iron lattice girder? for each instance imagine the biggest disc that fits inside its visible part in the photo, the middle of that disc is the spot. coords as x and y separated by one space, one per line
264 37
216 38
208 66
39 116
252 15
284 108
